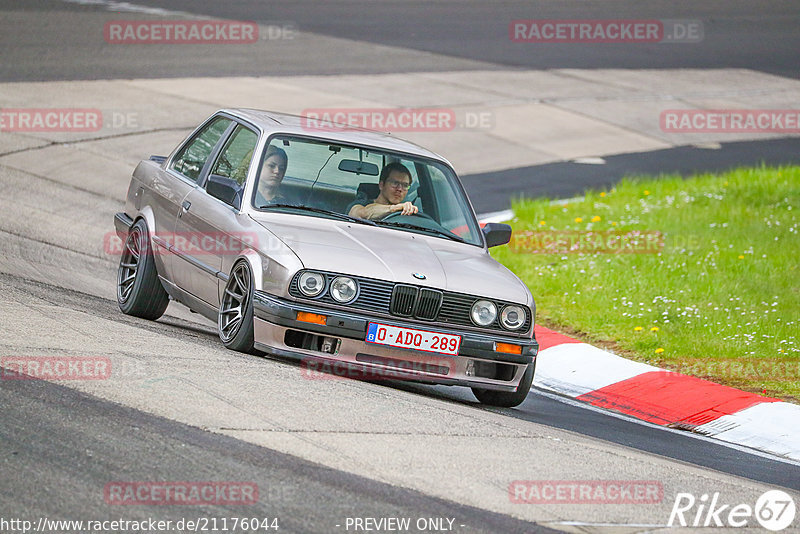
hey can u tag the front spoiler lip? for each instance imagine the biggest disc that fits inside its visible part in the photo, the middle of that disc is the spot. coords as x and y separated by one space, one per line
354 326
378 373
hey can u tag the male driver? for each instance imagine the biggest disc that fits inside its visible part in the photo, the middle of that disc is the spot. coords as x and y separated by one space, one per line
393 184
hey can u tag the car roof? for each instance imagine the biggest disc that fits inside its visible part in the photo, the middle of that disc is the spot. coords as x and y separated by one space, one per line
274 122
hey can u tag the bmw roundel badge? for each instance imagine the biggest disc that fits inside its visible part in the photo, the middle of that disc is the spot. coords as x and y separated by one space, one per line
418 276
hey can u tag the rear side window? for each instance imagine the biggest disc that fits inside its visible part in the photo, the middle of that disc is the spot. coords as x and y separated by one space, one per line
193 156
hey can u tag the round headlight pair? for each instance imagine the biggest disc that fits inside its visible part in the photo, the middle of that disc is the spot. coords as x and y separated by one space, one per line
484 313
343 289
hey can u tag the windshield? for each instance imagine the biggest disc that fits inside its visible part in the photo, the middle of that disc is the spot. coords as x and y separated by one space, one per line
394 190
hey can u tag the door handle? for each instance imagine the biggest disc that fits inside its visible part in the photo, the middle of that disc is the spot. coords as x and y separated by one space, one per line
185 205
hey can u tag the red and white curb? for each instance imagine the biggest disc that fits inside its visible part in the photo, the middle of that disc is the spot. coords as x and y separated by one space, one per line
600 378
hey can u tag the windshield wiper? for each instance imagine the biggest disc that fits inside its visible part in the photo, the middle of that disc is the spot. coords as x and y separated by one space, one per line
436 231
336 214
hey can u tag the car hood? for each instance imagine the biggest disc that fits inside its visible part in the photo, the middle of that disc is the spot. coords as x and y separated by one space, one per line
394 255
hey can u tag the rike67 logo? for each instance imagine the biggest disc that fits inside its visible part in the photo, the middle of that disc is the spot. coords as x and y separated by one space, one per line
774 510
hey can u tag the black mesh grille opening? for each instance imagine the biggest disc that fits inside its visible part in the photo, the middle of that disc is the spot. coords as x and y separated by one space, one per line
428 304
403 300
494 370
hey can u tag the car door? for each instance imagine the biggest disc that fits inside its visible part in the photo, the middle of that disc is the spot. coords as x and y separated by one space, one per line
208 218
180 175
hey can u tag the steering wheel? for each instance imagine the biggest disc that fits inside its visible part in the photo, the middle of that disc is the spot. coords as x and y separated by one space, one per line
400 213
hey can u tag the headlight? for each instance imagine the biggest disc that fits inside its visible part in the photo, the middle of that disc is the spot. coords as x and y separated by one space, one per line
343 289
512 317
311 284
483 313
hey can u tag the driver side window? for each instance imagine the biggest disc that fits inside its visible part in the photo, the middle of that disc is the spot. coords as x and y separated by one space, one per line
234 161
227 177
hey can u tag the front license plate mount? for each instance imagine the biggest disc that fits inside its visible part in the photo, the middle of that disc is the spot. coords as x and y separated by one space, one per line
413 338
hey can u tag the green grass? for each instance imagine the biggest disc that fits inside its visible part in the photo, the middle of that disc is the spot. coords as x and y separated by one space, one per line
720 300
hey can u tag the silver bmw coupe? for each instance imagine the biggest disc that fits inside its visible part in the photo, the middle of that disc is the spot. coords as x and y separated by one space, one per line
352 250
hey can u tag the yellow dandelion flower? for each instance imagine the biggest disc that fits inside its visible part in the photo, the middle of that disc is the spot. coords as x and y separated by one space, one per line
541 223
602 194
638 328
741 257
596 218
654 329
613 223
659 350
646 192
578 220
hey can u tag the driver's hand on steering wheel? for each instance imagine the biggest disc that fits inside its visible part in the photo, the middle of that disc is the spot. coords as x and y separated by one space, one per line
407 208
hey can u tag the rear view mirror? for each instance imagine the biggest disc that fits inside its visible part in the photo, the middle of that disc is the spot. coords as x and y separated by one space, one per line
358 167
496 234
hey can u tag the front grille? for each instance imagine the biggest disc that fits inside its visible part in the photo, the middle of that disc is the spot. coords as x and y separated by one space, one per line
412 301
428 304
404 300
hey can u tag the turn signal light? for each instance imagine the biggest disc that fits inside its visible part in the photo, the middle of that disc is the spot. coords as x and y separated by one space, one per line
312 318
508 348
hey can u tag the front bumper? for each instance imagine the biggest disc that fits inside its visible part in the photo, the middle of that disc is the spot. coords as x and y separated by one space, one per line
339 346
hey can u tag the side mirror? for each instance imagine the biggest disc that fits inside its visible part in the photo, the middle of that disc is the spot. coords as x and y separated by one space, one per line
225 189
496 234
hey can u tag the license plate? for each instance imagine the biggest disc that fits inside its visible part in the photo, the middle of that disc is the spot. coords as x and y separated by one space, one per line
411 338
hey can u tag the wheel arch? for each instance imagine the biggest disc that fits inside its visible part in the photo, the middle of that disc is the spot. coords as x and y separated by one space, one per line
146 213
256 263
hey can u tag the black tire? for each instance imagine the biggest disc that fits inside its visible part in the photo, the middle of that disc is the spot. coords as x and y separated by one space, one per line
139 291
507 399
235 317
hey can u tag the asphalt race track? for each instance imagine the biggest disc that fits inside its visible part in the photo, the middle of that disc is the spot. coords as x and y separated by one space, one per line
179 407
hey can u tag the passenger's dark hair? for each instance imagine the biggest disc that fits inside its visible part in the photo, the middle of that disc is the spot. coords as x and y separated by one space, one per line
397 167
275 151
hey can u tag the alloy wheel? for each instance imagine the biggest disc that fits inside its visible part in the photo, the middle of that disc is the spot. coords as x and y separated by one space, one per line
129 265
234 302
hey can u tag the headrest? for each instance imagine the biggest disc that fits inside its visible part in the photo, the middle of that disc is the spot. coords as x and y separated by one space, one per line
368 190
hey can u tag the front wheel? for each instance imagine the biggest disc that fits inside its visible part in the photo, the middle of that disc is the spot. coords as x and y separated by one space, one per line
507 399
235 319
139 291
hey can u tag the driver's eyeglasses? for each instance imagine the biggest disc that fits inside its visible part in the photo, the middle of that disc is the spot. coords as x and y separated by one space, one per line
399 185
